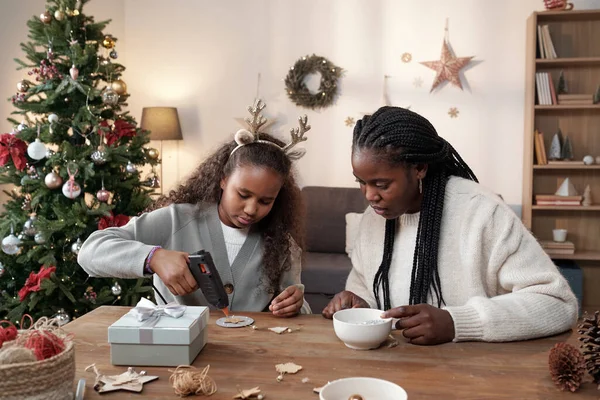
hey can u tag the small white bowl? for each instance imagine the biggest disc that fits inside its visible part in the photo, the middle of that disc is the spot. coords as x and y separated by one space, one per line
368 388
361 328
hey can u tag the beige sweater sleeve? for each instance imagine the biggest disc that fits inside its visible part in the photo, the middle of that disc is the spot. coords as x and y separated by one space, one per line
531 299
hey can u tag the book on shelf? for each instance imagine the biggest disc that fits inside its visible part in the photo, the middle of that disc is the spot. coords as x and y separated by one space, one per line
557 203
559 251
545 45
549 244
551 197
538 147
545 89
565 162
576 96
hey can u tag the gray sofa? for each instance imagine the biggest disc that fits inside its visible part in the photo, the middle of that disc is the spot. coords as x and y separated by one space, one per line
326 264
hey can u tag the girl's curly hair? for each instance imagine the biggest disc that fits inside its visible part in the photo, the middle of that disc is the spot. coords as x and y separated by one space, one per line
284 221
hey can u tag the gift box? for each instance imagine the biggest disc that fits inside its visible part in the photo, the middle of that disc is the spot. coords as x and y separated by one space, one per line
150 335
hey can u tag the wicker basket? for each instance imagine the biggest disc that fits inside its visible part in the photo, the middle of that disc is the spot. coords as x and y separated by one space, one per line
50 379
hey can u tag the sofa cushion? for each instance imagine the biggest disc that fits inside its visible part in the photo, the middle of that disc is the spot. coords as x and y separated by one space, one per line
325 272
326 209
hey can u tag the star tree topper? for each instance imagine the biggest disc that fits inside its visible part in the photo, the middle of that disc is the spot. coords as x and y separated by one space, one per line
448 66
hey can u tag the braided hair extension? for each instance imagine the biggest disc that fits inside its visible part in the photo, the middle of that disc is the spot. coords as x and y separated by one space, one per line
405 137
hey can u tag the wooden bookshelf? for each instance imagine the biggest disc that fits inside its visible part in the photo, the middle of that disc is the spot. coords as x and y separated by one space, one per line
574 36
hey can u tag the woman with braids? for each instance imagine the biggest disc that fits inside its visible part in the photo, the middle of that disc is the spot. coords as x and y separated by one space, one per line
243 206
439 252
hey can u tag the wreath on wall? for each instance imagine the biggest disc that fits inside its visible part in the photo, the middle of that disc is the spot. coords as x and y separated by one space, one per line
299 93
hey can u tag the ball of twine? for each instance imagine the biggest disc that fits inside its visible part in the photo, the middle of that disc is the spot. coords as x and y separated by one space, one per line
7 334
187 380
12 354
44 338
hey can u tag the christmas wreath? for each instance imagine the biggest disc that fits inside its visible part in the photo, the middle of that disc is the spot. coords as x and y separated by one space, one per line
297 90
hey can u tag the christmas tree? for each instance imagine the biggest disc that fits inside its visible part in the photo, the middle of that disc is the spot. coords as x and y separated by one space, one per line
73 159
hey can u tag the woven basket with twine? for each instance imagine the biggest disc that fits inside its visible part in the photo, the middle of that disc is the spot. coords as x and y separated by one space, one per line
49 379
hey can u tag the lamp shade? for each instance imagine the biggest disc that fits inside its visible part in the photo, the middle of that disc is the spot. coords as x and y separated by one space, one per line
162 122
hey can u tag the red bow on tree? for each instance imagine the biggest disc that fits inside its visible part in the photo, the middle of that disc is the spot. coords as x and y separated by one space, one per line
34 282
112 221
13 147
120 129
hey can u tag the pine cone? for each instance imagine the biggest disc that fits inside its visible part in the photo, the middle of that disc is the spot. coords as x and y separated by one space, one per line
589 329
567 366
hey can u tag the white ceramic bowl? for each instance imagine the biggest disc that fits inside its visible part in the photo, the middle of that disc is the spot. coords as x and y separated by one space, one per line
361 328
368 388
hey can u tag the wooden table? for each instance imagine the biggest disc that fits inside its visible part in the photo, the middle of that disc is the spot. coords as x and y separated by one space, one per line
245 358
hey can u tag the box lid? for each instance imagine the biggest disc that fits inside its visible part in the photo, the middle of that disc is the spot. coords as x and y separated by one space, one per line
166 330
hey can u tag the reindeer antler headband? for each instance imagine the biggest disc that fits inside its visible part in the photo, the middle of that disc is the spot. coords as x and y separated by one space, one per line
245 136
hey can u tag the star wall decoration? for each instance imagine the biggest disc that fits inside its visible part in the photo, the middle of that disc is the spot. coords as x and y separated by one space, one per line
453 112
447 68
349 121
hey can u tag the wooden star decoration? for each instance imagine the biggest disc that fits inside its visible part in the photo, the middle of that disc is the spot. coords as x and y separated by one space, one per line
453 112
129 380
447 67
349 121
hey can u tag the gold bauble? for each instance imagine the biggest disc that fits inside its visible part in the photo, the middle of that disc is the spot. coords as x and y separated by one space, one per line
59 15
22 86
46 17
108 42
153 153
119 86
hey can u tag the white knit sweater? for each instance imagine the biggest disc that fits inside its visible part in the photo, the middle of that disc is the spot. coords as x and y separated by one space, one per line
497 282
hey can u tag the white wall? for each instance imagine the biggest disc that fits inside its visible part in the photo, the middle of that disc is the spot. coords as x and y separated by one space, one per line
203 57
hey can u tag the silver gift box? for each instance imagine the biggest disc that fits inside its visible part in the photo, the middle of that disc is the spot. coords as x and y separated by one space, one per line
164 341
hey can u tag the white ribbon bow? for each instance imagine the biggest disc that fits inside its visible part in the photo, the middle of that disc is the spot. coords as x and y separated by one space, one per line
145 309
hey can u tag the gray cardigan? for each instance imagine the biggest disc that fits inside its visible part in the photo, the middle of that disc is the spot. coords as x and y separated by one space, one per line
121 253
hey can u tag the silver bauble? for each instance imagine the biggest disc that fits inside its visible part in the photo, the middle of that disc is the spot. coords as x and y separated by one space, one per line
103 195
71 189
113 54
99 157
53 118
36 149
53 180
61 317
22 236
22 126
131 168
110 97
39 238
2 269
11 244
29 226
116 289
50 153
75 247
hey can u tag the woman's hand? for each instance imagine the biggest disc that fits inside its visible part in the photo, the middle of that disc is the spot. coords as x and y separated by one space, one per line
172 268
423 324
288 303
343 300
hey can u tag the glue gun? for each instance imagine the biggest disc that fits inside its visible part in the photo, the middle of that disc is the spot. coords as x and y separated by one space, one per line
205 272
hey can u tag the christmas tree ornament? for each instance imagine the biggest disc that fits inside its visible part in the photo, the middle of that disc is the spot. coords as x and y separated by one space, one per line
567 366
46 17
53 180
71 189
130 168
108 42
99 156
22 126
22 236
153 153
104 61
113 54
22 86
49 153
26 203
589 331
59 15
53 118
90 295
74 72
448 67
11 244
29 225
152 180
588 160
349 121
103 195
110 97
50 54
119 86
555 148
406 57
36 149
2 269
567 150
39 238
116 289
62 317
453 112
75 247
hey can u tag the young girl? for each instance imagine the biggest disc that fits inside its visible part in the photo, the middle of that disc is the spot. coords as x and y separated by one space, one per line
438 251
243 206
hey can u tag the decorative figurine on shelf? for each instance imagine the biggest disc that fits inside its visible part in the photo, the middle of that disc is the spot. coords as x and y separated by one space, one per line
588 160
597 95
555 147
566 189
587 197
567 150
558 5
562 84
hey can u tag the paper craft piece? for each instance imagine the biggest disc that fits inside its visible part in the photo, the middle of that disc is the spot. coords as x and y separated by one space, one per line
279 329
288 368
566 189
305 380
129 380
248 393
392 342
234 322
